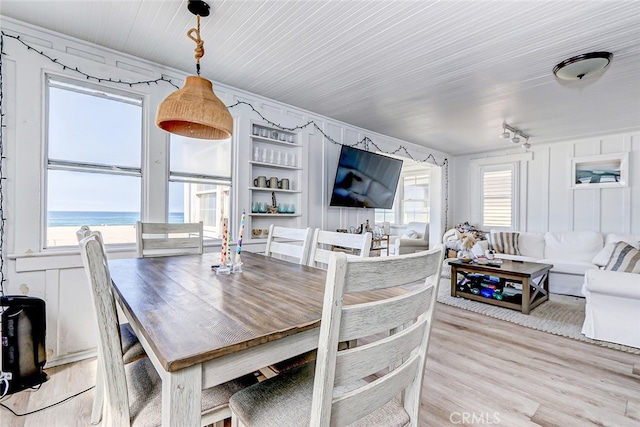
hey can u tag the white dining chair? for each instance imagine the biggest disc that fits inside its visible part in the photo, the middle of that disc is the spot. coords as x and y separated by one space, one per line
322 245
325 242
166 239
290 244
131 348
133 392
335 391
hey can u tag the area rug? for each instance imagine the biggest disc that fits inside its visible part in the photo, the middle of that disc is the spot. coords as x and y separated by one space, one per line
561 315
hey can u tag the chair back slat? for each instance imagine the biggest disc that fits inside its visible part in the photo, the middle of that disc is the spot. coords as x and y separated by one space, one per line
366 360
324 241
164 239
365 275
389 314
352 406
97 271
397 356
291 244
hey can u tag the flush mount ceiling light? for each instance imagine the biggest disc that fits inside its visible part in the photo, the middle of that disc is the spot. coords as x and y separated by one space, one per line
195 111
580 66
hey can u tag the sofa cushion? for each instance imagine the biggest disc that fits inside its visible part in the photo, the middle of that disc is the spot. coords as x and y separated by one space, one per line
568 267
572 245
624 258
505 242
531 244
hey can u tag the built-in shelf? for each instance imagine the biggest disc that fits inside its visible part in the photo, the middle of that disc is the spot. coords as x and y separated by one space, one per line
274 165
277 190
282 215
276 155
274 141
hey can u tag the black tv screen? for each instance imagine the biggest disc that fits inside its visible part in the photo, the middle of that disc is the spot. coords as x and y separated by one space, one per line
365 179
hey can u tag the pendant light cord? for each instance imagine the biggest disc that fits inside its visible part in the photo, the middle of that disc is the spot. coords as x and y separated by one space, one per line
199 43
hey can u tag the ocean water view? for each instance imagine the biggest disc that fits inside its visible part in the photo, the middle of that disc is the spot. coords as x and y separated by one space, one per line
95 218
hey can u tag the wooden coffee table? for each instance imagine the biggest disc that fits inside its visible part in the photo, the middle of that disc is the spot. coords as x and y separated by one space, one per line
517 285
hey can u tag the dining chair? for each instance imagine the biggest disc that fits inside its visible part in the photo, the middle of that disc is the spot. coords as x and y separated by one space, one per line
397 326
322 244
290 244
130 345
325 242
166 239
133 392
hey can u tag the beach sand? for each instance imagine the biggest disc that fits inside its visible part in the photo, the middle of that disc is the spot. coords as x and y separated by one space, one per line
66 236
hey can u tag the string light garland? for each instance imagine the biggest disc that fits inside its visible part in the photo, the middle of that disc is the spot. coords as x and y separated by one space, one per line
365 142
85 75
2 178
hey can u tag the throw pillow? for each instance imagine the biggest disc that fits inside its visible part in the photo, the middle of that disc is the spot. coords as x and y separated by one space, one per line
411 234
505 242
602 258
624 258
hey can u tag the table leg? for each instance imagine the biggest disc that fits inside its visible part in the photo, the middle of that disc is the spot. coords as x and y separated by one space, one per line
526 296
454 278
181 397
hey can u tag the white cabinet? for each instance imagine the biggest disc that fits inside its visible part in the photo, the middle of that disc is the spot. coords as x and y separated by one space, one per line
275 180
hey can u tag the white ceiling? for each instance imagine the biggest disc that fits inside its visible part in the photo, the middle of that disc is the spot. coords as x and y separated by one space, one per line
443 74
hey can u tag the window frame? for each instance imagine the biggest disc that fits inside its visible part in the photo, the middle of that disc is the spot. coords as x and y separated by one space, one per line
520 179
409 169
198 178
510 167
414 174
101 91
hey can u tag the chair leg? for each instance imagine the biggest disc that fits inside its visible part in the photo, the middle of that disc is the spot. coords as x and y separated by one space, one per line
98 399
235 422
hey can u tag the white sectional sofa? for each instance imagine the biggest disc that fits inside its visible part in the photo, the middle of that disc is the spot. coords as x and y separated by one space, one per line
612 298
572 254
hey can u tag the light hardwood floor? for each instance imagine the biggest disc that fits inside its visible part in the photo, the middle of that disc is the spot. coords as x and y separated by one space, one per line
480 371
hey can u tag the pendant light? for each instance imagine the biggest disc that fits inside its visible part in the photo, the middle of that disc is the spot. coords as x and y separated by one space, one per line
195 111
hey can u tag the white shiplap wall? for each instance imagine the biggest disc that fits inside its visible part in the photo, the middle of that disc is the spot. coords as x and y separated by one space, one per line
57 276
548 203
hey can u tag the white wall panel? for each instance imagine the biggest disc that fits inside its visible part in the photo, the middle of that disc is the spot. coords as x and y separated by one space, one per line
559 194
550 204
76 318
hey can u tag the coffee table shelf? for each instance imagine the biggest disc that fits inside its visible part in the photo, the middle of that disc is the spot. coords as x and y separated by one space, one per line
532 277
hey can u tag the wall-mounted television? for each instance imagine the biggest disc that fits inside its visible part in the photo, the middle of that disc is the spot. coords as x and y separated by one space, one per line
365 179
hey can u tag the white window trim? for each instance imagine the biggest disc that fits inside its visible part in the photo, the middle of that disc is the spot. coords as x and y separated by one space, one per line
475 180
93 89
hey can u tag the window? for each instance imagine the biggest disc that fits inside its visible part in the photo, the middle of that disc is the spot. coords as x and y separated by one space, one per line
498 190
415 198
200 182
94 174
412 197
386 215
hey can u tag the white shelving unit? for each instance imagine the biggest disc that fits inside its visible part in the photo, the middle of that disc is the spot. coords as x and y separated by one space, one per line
274 154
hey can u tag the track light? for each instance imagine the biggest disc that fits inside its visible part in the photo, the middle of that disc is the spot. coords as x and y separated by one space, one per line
517 134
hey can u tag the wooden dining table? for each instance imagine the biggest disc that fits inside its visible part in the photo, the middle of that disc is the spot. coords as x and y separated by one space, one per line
201 329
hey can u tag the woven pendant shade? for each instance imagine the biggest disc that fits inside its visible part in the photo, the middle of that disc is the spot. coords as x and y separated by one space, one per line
195 111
